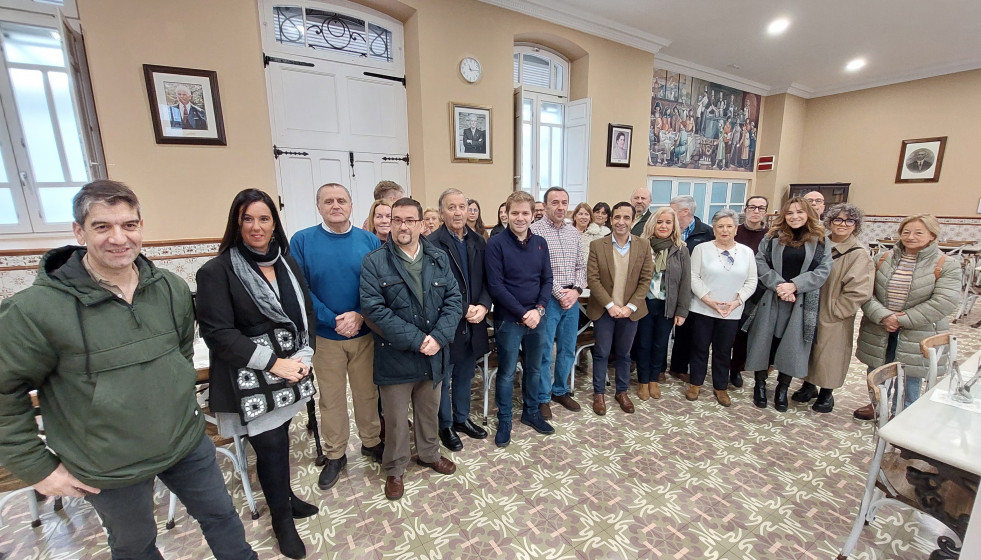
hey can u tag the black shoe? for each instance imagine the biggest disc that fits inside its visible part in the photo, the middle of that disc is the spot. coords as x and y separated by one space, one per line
780 397
806 392
824 404
290 544
759 394
374 453
450 440
332 471
535 420
472 430
301 509
736 378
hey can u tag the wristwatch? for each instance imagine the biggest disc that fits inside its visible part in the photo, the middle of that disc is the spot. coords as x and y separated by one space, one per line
541 310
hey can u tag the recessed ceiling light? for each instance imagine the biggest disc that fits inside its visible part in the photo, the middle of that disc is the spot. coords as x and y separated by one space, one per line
778 26
855 65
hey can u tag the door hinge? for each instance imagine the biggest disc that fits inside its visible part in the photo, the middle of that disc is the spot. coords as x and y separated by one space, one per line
281 205
384 77
350 159
404 158
277 152
266 59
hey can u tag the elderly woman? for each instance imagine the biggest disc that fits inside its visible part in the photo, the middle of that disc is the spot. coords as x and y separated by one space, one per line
723 277
431 218
601 215
254 313
848 286
380 219
793 262
667 300
916 288
582 218
474 220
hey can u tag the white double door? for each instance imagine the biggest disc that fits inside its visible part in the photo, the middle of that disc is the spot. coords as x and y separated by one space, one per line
335 124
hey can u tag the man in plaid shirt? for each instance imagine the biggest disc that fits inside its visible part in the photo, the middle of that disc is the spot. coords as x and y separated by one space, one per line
562 312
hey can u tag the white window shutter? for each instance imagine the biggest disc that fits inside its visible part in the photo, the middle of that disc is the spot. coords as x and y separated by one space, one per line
576 161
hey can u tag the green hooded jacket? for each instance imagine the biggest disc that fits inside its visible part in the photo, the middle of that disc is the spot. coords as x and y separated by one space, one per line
115 381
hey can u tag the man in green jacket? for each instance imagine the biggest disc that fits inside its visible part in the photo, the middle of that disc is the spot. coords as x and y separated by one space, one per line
106 339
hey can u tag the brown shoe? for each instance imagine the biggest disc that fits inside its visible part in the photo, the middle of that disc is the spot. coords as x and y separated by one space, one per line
545 411
662 378
394 488
654 389
625 404
723 398
567 401
692 392
867 412
643 391
599 404
441 465
680 376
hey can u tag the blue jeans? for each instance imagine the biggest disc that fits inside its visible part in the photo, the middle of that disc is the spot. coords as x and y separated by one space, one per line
617 335
914 385
651 343
127 513
457 385
561 326
509 337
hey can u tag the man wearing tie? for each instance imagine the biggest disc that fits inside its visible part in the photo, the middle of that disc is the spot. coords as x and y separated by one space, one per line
184 114
474 139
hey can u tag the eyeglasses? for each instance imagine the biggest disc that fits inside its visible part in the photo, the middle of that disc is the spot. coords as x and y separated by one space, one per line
756 208
814 201
397 222
840 221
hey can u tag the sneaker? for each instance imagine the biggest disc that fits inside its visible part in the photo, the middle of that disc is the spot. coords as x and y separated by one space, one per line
331 473
373 453
537 423
503 436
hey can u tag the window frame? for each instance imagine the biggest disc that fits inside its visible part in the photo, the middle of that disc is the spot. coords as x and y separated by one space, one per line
538 96
705 205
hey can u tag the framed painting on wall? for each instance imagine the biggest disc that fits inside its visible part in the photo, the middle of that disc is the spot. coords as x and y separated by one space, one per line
920 160
471 133
184 105
618 145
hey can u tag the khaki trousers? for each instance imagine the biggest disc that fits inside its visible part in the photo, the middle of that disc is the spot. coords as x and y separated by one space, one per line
425 406
336 363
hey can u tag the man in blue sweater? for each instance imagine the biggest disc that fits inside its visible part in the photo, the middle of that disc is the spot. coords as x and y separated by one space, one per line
330 256
519 277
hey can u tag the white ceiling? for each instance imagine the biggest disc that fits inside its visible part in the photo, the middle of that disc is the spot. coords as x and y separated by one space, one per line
726 40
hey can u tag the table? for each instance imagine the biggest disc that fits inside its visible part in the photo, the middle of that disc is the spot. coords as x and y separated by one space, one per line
947 434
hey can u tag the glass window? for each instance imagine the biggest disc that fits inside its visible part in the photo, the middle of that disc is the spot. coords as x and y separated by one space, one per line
660 192
8 212
558 81
517 79
326 30
56 203
684 188
32 107
288 25
24 44
68 126
720 192
527 106
379 43
552 113
710 195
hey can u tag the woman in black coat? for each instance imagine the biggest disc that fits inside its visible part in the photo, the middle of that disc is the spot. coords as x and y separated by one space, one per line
254 313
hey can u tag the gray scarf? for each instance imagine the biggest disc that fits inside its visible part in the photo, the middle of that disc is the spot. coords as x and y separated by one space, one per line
263 295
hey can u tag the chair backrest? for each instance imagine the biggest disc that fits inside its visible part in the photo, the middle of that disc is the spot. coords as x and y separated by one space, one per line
885 378
934 348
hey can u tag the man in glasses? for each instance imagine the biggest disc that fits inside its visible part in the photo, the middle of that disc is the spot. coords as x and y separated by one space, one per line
816 200
749 233
412 302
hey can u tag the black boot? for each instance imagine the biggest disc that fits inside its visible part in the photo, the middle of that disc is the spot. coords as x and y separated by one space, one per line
736 378
301 509
290 544
825 402
759 390
780 393
806 392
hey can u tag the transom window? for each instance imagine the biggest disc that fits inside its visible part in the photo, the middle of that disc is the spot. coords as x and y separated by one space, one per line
541 70
317 29
711 195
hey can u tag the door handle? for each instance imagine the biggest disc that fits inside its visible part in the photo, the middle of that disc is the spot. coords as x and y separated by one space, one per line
23 178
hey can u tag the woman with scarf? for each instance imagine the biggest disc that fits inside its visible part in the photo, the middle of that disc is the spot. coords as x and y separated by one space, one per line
667 299
254 313
793 262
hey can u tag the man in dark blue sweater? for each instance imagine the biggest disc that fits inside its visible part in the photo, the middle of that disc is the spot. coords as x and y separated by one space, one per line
330 255
519 277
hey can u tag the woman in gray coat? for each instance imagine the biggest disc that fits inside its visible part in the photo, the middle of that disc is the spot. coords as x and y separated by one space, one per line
916 289
793 262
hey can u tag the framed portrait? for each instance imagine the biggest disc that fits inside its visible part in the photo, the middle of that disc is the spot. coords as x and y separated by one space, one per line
920 160
184 105
470 129
618 145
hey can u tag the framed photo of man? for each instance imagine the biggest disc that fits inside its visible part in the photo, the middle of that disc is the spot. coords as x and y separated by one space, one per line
920 160
184 105
470 130
618 145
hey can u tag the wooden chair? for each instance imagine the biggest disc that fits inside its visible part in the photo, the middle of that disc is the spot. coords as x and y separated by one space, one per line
900 477
934 348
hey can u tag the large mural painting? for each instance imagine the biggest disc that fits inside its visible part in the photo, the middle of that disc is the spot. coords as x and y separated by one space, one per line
697 124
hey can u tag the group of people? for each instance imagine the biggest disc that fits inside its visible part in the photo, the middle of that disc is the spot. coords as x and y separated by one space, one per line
399 312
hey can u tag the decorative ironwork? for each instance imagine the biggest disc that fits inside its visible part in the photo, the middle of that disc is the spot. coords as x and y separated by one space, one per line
404 158
321 30
277 152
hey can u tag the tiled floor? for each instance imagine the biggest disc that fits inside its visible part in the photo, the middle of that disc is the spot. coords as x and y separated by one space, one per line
676 480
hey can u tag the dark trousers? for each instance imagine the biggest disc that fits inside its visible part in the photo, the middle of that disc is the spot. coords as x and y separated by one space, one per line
272 465
651 342
127 513
681 352
454 402
715 332
739 352
618 335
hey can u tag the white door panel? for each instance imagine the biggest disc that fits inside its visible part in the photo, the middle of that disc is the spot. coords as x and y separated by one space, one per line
300 177
576 159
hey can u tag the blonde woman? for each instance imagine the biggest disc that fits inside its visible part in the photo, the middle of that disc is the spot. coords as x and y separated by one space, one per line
380 219
667 299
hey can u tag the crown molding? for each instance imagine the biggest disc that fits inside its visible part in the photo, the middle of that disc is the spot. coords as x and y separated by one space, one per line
706 73
793 89
555 12
922 73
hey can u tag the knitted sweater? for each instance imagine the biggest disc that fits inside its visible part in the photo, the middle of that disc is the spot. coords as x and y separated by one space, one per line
519 275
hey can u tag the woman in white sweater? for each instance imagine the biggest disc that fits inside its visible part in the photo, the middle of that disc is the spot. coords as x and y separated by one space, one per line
723 276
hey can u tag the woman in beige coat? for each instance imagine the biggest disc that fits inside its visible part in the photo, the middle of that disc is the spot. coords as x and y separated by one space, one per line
848 286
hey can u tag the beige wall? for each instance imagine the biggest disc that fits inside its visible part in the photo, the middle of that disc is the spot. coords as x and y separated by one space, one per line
185 190
781 133
855 137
